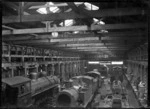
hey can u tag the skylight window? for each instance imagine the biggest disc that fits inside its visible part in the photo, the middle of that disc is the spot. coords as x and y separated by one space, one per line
42 11
89 6
101 22
93 62
117 62
78 3
102 31
95 20
52 9
75 32
68 10
67 22
98 21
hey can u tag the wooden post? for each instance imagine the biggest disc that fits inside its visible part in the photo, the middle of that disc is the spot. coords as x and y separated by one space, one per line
63 71
12 72
25 70
9 58
53 69
46 67
37 66
148 35
59 69
20 10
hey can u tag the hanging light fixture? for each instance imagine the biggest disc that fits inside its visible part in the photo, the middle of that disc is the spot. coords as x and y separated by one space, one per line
55 34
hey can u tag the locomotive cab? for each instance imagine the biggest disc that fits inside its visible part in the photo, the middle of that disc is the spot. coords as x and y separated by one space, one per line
17 91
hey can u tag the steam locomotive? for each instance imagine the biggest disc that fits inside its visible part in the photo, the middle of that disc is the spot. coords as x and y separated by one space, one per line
79 90
21 91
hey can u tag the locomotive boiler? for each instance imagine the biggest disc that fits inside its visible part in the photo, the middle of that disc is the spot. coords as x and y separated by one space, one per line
21 91
79 90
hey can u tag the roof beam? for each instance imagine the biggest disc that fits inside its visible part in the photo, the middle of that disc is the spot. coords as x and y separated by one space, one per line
59 40
56 43
82 45
102 47
121 34
126 42
30 4
12 5
85 45
78 10
99 48
45 36
122 38
55 5
73 15
75 28
63 49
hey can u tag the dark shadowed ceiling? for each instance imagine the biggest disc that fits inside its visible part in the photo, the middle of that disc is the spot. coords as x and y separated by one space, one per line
109 29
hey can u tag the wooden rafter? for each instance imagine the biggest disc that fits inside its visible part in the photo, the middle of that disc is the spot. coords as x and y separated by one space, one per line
29 4
41 37
80 12
122 34
123 38
49 36
75 28
55 5
73 15
59 40
12 5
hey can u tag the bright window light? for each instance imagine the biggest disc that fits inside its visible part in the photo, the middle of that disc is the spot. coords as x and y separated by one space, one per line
52 9
101 22
93 62
55 34
68 10
89 6
104 31
67 22
78 3
117 62
75 32
98 22
42 11
95 20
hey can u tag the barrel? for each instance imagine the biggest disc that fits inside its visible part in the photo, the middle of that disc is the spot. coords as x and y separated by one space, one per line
67 98
34 76
43 73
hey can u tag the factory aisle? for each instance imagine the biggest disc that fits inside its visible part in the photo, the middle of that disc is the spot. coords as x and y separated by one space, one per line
105 96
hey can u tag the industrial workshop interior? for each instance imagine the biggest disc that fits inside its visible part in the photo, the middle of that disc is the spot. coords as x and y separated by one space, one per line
75 54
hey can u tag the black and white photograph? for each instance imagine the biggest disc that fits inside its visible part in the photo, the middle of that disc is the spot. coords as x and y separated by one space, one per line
75 54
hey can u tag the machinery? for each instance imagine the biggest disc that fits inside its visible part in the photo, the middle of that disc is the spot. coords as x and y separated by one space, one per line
117 87
79 90
21 91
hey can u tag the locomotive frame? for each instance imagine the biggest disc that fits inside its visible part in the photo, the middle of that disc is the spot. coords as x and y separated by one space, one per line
84 94
32 97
